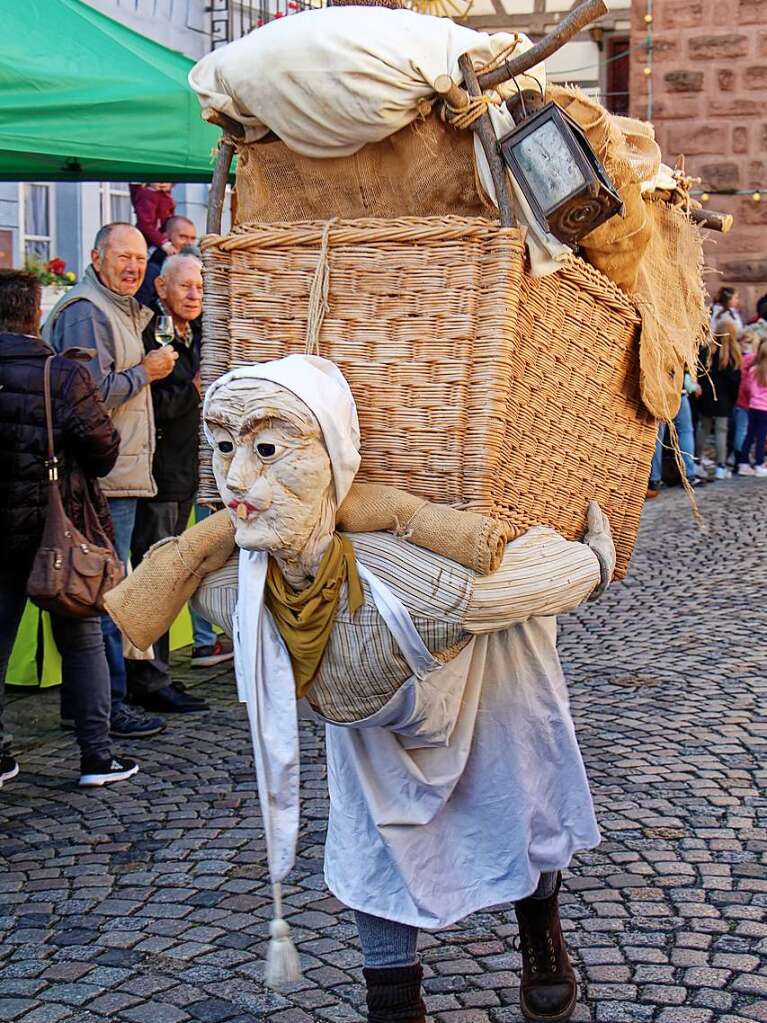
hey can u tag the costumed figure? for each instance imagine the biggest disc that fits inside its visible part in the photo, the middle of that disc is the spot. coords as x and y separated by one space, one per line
455 778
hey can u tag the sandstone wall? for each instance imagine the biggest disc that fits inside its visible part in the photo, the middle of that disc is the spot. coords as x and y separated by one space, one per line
710 103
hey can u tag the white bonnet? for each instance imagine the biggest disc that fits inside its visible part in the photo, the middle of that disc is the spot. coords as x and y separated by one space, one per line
322 387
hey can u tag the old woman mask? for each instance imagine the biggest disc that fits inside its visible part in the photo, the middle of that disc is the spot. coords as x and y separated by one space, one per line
285 441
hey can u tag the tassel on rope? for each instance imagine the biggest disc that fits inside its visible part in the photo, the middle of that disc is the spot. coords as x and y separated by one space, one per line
282 964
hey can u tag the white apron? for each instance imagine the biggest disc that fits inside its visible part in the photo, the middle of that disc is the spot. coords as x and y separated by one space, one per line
453 797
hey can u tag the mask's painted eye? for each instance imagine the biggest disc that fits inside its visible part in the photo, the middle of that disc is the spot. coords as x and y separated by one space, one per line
225 447
266 450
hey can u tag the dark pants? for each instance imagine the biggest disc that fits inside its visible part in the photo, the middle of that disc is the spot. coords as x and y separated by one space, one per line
757 434
155 520
123 512
85 674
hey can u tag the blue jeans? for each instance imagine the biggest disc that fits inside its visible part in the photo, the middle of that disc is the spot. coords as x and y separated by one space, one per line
123 512
683 424
201 629
740 427
85 675
386 943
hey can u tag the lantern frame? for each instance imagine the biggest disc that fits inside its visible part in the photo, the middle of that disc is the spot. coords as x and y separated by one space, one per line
590 197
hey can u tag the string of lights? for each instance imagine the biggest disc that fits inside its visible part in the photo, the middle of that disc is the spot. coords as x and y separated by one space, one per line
705 195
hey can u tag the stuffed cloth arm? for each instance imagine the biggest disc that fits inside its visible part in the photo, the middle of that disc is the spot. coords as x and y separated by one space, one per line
541 574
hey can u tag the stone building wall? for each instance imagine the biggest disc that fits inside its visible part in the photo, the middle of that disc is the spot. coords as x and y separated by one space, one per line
709 85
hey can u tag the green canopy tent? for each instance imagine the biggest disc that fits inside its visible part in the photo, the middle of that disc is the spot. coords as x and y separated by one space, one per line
86 99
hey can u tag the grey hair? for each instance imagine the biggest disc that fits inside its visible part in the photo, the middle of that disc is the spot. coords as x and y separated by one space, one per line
191 250
103 235
172 263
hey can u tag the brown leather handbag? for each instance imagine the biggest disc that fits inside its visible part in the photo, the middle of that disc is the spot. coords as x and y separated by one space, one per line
71 572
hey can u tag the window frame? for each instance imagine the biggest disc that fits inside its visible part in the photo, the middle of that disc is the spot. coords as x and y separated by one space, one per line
24 235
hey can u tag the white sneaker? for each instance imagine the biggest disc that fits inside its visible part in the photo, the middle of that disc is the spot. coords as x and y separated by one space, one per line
700 472
746 470
706 462
722 473
760 471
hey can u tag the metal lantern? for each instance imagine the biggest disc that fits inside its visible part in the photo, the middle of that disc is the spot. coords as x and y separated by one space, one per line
560 175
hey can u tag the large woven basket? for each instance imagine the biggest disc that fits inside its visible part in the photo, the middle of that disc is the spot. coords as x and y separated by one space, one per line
475 383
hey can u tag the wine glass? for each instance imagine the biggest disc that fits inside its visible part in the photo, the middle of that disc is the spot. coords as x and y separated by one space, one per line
163 330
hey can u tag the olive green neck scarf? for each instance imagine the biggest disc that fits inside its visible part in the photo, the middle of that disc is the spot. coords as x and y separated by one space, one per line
305 619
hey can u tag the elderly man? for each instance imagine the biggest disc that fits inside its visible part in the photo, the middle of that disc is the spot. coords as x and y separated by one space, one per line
176 401
181 232
101 313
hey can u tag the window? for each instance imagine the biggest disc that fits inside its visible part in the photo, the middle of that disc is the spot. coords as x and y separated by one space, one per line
115 202
36 221
617 75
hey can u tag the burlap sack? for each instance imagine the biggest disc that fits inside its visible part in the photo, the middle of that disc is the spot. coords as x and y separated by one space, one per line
424 170
147 602
474 541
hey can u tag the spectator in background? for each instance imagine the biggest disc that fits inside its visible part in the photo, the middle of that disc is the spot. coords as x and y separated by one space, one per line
101 313
756 393
719 379
154 205
177 403
726 309
86 445
684 428
749 342
182 234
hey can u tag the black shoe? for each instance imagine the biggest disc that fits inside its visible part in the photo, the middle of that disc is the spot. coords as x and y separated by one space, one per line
172 699
106 771
548 989
128 723
9 768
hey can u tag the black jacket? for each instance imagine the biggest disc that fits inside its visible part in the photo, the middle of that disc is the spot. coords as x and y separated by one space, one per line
85 442
146 294
177 405
719 387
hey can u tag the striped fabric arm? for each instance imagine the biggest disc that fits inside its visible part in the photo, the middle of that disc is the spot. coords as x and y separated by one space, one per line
541 574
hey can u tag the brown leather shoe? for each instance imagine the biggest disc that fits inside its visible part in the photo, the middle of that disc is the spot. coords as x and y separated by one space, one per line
394 994
548 990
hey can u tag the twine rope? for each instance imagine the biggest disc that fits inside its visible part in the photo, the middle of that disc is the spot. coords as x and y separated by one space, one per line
318 295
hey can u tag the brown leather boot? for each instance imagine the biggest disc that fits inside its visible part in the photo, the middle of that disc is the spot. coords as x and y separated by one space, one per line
548 990
394 994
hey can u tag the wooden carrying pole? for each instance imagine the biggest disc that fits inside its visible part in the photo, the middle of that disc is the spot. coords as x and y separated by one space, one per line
576 20
483 126
217 192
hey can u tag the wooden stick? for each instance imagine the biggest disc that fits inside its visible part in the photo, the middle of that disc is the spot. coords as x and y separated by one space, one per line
218 187
453 94
712 220
576 20
223 121
483 126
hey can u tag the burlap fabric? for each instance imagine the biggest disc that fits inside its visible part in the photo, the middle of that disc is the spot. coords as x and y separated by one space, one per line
654 252
476 541
146 603
425 170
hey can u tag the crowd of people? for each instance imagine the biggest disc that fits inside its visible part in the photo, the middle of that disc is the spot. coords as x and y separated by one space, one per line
128 417
724 403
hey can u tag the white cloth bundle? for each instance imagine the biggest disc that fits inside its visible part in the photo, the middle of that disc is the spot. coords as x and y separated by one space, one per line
329 81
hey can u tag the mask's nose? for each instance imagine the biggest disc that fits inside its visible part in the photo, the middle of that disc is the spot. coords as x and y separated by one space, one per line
246 481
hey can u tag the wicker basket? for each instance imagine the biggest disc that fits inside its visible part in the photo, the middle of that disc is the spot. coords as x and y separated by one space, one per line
475 383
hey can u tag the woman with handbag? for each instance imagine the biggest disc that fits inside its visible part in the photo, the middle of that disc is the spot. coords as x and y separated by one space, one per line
49 461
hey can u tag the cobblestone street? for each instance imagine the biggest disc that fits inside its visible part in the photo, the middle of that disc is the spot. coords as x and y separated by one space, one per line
148 902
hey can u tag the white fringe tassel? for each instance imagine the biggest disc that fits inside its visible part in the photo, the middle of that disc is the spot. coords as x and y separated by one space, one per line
282 965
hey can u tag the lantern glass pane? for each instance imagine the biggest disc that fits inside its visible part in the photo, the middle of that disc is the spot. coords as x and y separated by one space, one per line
548 165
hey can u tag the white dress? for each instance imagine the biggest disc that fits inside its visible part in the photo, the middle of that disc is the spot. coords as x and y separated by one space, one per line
455 796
